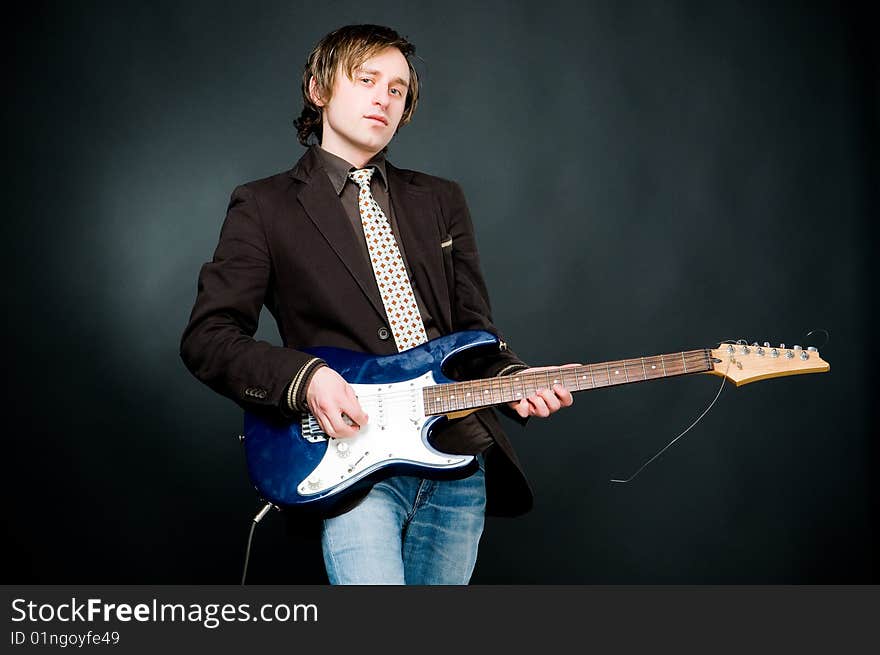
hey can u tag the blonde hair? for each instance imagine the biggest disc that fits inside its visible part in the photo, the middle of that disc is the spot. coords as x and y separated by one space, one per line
345 49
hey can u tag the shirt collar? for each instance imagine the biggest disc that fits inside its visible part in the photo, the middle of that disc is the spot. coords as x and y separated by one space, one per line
337 168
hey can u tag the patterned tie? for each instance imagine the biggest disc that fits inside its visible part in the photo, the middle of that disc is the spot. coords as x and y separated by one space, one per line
394 287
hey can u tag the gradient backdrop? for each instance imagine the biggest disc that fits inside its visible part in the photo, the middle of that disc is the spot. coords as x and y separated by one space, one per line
644 178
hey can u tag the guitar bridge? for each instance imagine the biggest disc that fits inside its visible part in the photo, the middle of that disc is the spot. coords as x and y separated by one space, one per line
311 429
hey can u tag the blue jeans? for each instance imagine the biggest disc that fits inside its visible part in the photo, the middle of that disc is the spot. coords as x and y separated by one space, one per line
409 530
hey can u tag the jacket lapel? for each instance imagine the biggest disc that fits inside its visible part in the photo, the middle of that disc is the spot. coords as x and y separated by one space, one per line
323 208
414 207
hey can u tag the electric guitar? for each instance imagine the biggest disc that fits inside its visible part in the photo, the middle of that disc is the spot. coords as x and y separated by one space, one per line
407 395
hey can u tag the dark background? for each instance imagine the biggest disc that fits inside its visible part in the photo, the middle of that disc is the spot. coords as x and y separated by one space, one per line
644 178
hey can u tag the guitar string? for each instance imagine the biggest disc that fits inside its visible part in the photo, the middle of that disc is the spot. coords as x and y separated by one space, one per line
667 446
690 357
693 357
402 397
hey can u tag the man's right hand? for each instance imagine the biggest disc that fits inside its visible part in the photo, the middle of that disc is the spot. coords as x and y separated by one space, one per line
330 397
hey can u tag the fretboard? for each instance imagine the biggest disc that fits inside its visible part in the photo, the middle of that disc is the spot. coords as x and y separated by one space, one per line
459 396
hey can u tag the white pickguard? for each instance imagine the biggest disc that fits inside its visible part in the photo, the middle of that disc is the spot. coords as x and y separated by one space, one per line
393 434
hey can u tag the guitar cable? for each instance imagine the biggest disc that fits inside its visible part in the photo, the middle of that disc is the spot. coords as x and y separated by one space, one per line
247 555
698 419
706 411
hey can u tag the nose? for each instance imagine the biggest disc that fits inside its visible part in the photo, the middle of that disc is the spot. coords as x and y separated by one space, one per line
380 96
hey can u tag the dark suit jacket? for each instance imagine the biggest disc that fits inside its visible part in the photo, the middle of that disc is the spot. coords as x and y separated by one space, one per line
287 243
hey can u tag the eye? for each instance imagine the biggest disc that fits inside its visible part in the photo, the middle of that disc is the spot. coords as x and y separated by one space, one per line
397 91
366 79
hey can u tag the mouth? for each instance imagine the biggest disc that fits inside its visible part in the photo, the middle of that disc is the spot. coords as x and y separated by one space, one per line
378 119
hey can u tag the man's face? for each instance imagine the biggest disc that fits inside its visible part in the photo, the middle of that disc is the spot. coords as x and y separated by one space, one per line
362 114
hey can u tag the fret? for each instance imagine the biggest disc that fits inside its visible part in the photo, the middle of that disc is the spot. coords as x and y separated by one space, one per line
529 386
684 363
663 364
634 364
570 382
644 370
507 387
514 394
635 374
614 379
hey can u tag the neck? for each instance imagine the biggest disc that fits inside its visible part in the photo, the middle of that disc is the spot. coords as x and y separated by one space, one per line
354 156
463 396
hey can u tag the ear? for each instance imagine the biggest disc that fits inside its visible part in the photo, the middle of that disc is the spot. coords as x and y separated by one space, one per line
313 92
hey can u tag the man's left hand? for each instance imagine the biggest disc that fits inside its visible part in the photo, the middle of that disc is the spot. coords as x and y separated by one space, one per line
545 401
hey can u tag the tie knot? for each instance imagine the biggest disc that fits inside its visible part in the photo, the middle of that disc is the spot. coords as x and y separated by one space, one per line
361 176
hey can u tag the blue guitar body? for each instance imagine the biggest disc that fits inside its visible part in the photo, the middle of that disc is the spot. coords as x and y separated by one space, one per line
295 465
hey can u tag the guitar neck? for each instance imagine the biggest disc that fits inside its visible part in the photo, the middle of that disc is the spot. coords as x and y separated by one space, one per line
472 394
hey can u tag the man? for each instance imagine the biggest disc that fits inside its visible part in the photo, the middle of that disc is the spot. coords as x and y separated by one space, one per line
310 244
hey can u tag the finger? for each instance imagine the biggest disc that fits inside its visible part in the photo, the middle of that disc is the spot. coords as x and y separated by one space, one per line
538 406
352 408
338 427
563 394
550 399
347 427
324 422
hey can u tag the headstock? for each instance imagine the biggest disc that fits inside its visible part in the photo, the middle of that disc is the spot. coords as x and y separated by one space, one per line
742 363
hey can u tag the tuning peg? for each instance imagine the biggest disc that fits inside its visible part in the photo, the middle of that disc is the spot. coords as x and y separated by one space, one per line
782 345
812 349
797 347
766 344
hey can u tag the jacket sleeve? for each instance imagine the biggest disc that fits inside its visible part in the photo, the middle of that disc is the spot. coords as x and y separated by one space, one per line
471 309
217 345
